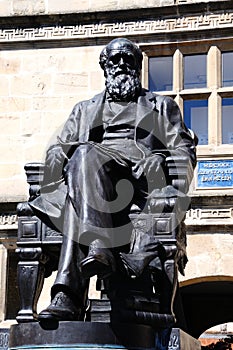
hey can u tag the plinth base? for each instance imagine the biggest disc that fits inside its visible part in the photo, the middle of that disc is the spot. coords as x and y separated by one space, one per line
101 336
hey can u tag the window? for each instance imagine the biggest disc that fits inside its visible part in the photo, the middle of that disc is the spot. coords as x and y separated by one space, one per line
227 70
227 120
200 78
160 73
196 118
194 71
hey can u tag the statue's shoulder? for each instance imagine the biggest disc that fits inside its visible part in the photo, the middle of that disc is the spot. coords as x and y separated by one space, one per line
86 106
158 100
161 102
89 102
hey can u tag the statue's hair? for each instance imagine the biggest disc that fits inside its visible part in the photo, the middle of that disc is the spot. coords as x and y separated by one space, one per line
124 42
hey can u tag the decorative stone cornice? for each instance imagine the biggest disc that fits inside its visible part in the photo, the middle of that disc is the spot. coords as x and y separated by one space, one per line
209 216
63 32
8 221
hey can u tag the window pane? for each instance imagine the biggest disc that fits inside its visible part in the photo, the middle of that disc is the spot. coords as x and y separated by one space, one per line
227 71
227 120
160 73
196 118
194 71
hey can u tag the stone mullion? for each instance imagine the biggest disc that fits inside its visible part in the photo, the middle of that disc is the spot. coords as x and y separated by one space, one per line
178 77
214 102
177 71
145 71
3 281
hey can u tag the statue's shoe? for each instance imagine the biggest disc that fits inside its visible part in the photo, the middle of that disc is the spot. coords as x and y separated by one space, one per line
62 308
99 261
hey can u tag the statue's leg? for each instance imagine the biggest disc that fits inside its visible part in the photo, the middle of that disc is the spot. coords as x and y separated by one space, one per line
69 292
97 194
68 276
90 181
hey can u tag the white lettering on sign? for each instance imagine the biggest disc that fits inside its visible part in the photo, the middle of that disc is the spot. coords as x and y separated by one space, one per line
215 173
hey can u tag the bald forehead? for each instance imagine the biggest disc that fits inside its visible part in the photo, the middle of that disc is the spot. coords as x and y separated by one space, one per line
121 45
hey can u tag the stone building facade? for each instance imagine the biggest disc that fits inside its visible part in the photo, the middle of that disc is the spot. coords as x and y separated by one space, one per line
49 53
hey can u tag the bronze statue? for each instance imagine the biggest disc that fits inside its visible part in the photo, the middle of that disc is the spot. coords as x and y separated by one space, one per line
109 156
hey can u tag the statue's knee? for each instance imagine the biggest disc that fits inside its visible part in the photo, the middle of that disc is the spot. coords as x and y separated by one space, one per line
83 149
80 159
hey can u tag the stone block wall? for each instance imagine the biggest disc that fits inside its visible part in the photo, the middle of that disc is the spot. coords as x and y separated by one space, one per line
38 90
209 255
44 7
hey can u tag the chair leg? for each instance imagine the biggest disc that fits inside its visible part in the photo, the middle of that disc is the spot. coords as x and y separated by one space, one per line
31 269
169 279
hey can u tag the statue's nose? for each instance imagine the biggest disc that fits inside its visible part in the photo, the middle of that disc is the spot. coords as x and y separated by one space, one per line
121 62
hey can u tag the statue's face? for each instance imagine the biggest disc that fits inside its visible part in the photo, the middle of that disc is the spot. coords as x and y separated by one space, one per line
121 62
122 73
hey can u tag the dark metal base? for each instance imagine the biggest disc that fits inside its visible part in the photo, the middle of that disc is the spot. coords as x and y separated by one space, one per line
93 335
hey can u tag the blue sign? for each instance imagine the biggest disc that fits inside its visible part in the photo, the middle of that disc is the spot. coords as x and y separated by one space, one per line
214 173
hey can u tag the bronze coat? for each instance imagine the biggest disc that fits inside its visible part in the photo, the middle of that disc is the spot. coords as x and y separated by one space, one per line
159 127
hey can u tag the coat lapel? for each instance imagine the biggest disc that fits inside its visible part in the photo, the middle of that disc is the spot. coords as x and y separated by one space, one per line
93 116
145 105
146 120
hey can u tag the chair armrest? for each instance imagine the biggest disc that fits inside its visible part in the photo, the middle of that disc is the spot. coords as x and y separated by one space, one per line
35 174
180 172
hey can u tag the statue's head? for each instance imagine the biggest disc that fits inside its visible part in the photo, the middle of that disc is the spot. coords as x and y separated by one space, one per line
121 61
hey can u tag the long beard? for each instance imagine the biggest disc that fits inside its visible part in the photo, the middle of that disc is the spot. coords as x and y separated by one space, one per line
123 87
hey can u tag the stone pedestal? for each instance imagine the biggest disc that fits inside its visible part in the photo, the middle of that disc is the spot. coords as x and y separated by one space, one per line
4 338
93 335
179 340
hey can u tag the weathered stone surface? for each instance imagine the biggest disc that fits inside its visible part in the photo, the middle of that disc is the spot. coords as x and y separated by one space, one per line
59 6
9 124
209 255
38 83
65 81
9 65
34 7
28 7
37 93
4 86
103 5
5 7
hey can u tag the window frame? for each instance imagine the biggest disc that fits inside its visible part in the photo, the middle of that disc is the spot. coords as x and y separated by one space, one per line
214 90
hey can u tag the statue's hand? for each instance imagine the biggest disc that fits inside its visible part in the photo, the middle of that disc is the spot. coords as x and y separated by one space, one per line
152 167
55 161
153 164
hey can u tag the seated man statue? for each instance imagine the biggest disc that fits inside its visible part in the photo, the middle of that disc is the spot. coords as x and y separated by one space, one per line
109 156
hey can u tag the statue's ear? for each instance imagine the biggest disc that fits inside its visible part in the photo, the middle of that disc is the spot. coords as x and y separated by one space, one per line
103 58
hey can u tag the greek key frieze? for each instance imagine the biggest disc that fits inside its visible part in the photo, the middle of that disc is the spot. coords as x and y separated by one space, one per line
8 220
122 28
201 216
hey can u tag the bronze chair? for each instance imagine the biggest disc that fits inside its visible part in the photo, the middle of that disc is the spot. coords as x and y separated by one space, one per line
149 299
